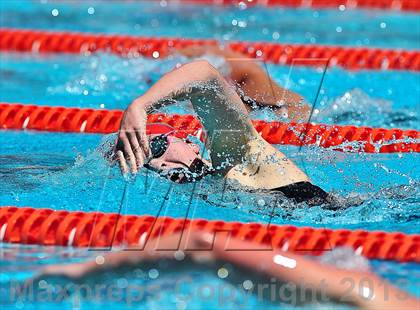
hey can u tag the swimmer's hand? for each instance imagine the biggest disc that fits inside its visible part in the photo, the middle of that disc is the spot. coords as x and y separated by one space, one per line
132 145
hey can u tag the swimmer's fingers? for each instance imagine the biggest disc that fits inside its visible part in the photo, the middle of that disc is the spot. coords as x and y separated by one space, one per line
122 162
136 148
129 155
124 144
143 141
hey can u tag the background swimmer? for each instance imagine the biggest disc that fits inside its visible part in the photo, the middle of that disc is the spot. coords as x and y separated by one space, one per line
319 281
255 87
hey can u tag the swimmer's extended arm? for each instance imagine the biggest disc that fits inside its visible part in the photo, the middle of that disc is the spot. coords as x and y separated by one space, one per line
254 81
216 103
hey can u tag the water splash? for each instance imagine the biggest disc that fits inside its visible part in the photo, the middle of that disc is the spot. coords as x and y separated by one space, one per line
355 107
345 258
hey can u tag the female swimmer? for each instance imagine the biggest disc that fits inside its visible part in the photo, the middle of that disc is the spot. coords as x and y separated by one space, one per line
236 150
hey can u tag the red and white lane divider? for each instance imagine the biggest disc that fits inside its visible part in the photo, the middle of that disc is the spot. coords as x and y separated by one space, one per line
94 229
22 40
342 138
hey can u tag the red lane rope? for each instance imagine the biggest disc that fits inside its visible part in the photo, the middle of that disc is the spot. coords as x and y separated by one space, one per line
307 55
369 140
82 229
403 5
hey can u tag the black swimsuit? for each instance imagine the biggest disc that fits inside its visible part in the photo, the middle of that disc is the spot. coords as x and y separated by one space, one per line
304 192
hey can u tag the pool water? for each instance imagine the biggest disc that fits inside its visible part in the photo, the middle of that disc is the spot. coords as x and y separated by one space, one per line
68 172
159 18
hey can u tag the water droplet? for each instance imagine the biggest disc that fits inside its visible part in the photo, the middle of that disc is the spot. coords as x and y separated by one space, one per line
100 260
222 273
153 273
248 284
122 283
179 255
242 5
103 78
42 284
242 24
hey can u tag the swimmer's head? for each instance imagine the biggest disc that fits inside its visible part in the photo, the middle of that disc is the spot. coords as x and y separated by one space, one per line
174 158
177 159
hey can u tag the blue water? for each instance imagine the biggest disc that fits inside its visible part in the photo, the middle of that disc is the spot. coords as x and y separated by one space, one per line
66 171
149 18
371 98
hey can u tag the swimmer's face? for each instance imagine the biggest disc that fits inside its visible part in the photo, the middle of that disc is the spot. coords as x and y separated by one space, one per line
176 159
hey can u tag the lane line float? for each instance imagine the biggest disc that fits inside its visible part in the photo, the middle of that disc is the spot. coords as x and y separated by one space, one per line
22 40
402 5
47 227
341 138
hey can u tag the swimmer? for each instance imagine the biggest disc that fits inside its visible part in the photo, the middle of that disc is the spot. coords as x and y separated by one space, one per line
255 88
237 151
322 282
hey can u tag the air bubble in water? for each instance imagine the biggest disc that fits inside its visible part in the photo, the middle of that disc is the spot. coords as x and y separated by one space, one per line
261 202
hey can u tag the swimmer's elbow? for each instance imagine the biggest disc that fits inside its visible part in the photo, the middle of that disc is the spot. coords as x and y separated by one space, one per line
201 70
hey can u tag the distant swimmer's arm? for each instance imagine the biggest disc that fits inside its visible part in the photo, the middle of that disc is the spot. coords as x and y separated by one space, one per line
258 85
216 103
254 81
